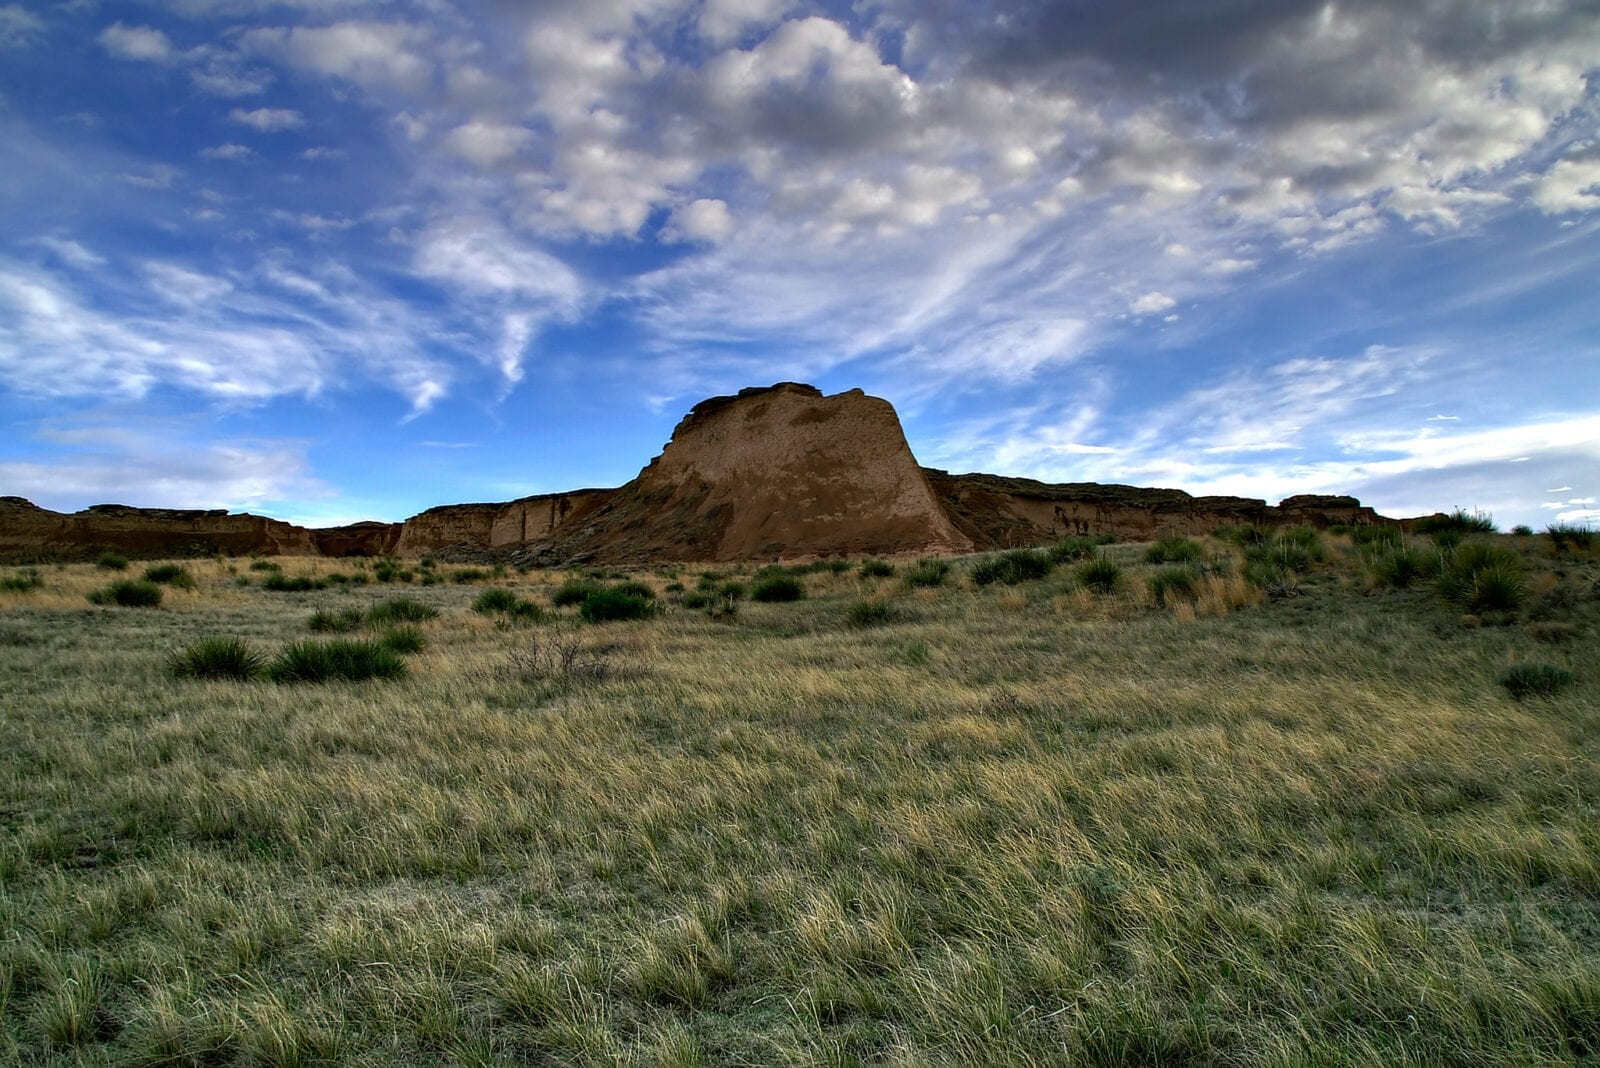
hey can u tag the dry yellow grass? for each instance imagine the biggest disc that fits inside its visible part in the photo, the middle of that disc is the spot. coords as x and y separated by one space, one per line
1035 825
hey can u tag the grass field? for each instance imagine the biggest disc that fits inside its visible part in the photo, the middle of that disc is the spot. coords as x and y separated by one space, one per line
1291 819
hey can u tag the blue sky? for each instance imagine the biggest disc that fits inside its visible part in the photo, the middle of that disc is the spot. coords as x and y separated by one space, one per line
329 260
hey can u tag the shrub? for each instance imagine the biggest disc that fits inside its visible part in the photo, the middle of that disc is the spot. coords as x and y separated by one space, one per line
928 573
1078 548
1290 550
404 640
871 614
1172 550
1245 535
574 591
170 575
217 658
1457 522
400 610
390 570
468 574
132 593
349 659
1013 568
21 581
1522 530
264 565
1276 581
1376 537
561 657
635 588
1100 575
778 588
1562 535
112 562
876 569
605 606
1400 568
1482 577
495 600
696 599
1171 584
1534 680
281 583
326 621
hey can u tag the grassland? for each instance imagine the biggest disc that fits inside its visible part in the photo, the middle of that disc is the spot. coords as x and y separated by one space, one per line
1011 824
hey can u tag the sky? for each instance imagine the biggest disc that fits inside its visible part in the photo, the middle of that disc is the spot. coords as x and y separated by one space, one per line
332 260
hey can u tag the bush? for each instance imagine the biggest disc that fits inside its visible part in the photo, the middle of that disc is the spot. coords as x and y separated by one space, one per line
112 562
1172 551
871 614
21 581
499 599
1534 680
400 610
1171 584
217 658
133 593
170 575
928 573
264 565
1100 575
1522 530
464 575
606 606
696 599
349 659
778 588
1458 522
574 591
1289 550
390 570
1244 535
1013 568
404 640
1377 537
635 588
281 583
1482 577
346 619
1273 579
1562 535
1078 548
876 569
1400 568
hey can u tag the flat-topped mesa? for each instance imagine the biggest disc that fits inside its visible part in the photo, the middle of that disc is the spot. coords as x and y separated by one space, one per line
26 528
475 529
775 472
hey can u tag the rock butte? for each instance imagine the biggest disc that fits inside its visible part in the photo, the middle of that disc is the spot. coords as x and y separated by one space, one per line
777 472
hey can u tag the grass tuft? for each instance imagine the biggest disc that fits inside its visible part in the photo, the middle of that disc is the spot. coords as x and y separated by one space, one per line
21 581
342 621
871 613
342 659
400 610
1534 680
1169 585
876 569
1014 568
1483 577
776 588
129 593
1173 550
1102 574
175 575
1569 535
615 605
574 591
404 640
217 658
112 562
927 574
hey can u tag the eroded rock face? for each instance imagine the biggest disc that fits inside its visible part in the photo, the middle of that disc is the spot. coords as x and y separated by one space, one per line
781 472
147 532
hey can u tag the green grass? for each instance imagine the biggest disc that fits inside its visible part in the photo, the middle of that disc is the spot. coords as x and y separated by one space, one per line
615 605
1565 536
21 581
927 574
400 610
1169 585
129 593
1066 828
1173 550
1459 522
341 659
574 591
112 562
170 575
1013 568
877 569
777 587
217 658
1535 680
1100 574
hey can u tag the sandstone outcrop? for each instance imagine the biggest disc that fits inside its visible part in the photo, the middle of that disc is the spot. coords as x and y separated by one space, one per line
778 472
26 528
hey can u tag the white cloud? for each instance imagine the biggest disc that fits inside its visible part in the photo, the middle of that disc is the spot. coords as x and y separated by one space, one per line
230 151
373 55
137 43
723 21
700 220
1151 303
487 144
1571 185
268 119
72 252
19 28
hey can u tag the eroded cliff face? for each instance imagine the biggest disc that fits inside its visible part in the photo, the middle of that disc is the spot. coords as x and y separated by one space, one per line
26 528
780 472
997 512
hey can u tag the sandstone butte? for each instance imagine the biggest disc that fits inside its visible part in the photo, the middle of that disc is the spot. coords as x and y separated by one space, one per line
779 472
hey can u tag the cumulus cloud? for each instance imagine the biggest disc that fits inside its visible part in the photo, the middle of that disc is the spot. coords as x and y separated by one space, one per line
268 120
374 55
1151 303
487 144
706 219
137 43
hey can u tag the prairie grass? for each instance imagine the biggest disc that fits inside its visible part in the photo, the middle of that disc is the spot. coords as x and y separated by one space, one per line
1082 829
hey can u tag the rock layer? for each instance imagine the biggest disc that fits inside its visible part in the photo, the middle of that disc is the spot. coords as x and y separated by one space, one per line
780 472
